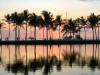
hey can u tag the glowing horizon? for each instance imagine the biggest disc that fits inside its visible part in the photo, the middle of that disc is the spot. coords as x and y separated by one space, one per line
74 8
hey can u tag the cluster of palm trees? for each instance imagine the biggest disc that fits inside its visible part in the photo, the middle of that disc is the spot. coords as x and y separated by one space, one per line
31 19
75 26
47 21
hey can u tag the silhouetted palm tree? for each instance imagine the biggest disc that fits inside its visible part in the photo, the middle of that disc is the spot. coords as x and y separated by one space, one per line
72 27
83 22
93 20
98 25
8 19
78 25
19 23
65 30
33 22
48 17
41 23
14 18
59 22
26 17
1 26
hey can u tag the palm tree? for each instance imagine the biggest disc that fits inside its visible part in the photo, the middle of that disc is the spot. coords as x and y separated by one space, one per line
14 18
40 23
78 25
26 16
65 29
98 25
72 27
93 20
8 19
1 25
33 22
19 23
54 28
83 22
48 17
59 22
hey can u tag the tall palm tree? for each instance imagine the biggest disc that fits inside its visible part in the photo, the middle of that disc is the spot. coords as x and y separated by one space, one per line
59 22
26 16
98 25
48 17
93 20
78 25
14 18
83 22
1 26
72 27
40 23
19 23
33 22
8 19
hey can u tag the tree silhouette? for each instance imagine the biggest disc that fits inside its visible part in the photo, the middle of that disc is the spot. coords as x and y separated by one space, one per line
8 19
33 22
93 20
59 22
48 17
26 17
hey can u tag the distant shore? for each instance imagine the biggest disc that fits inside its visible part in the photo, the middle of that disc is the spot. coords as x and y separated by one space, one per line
47 42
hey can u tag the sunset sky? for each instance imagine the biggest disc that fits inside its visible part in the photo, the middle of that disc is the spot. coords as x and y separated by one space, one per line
74 8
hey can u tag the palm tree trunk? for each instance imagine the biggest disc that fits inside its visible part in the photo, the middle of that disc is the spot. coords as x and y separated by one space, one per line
59 31
73 35
85 33
43 33
79 33
51 35
70 33
47 33
18 32
35 33
26 33
95 34
9 31
98 33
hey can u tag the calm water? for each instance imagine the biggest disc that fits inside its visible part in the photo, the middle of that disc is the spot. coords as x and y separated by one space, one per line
50 59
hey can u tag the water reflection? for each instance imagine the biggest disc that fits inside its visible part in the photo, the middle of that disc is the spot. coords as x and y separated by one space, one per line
47 59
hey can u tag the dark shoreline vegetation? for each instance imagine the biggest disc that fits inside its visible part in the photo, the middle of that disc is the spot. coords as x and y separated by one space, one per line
50 42
70 28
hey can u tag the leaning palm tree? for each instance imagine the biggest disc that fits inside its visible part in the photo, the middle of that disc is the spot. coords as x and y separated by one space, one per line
8 19
48 17
93 20
26 16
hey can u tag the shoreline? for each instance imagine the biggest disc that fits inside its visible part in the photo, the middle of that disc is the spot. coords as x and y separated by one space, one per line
49 42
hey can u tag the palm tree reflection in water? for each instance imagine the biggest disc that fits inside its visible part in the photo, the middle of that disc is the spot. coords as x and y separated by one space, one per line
66 57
